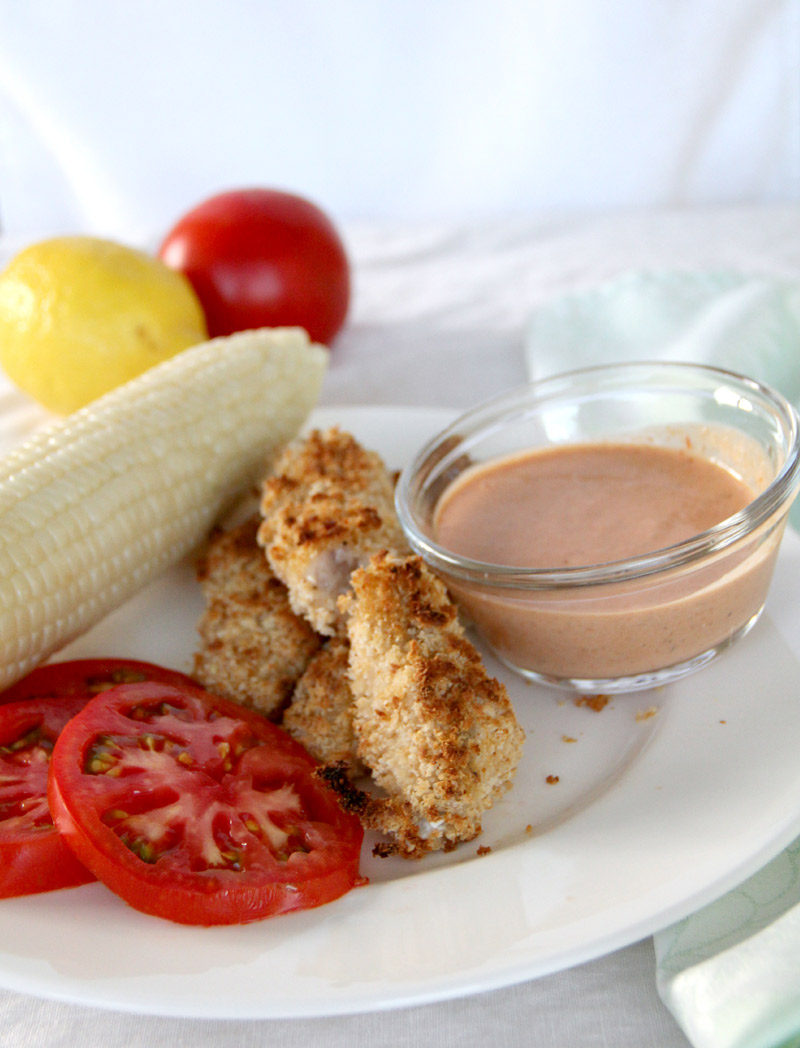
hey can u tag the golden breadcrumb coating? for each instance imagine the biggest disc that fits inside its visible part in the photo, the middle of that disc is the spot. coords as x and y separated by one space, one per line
326 508
320 715
253 646
397 691
436 732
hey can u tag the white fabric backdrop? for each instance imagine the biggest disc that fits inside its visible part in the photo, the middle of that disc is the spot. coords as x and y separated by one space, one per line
116 117
418 116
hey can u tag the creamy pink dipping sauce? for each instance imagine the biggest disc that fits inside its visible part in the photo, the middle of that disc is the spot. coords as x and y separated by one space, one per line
583 505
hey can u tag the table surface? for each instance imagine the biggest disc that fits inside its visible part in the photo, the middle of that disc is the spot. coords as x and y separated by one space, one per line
439 319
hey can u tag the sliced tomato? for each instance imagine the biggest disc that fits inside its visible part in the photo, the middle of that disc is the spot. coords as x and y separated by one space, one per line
33 711
197 810
87 677
33 858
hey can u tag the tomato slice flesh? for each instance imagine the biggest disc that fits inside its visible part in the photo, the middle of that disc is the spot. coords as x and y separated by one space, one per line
33 858
194 809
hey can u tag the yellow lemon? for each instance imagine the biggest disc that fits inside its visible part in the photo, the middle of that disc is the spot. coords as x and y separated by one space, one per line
80 315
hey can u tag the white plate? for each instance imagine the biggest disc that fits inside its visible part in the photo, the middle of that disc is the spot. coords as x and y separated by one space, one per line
651 817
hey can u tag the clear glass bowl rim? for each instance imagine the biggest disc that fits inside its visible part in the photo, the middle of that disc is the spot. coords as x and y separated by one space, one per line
492 412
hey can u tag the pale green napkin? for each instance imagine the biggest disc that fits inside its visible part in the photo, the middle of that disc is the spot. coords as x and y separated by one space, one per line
730 973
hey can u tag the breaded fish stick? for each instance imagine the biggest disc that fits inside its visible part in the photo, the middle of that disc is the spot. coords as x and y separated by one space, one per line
327 507
253 647
437 733
320 715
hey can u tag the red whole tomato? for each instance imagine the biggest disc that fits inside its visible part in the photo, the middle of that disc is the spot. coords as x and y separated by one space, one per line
197 810
87 677
33 857
262 258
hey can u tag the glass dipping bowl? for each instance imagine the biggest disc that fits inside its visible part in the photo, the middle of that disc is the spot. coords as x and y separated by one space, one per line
644 621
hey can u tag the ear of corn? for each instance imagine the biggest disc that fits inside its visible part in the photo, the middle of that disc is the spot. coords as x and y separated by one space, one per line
98 504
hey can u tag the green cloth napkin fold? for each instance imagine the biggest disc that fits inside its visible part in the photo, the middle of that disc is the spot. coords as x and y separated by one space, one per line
730 973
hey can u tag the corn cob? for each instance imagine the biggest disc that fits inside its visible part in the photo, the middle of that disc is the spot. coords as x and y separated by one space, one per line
98 504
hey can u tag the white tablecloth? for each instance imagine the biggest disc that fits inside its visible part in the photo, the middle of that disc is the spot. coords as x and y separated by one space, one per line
439 318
